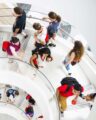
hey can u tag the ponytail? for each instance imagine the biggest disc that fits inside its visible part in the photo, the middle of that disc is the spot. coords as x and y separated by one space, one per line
58 18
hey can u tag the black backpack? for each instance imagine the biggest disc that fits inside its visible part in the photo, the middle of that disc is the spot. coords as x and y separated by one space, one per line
70 81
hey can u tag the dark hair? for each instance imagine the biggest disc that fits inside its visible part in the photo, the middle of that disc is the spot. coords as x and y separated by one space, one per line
92 95
29 109
41 116
78 87
14 40
18 10
58 18
16 92
37 26
32 101
52 15
70 81
78 49
47 51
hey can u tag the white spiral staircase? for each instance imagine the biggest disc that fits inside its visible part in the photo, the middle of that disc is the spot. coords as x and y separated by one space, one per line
35 83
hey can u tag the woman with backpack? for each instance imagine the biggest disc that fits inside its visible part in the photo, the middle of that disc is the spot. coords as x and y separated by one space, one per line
69 87
75 55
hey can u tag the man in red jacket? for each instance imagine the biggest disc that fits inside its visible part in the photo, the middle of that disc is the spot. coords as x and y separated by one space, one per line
63 92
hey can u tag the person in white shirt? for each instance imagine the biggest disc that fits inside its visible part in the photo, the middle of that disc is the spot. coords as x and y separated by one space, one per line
40 35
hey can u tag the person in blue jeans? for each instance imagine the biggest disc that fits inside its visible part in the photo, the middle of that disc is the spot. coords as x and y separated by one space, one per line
66 65
75 55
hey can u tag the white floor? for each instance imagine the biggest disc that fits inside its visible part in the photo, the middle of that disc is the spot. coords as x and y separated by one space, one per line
6 117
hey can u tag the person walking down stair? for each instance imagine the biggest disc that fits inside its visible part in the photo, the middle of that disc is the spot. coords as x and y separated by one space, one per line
20 22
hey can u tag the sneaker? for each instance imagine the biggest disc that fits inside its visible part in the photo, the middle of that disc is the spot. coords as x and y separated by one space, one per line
51 45
69 74
54 45
62 114
25 36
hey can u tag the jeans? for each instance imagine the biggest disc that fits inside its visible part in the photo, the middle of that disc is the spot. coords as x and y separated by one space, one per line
67 66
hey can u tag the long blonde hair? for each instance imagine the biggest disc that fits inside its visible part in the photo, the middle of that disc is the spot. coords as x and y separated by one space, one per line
78 49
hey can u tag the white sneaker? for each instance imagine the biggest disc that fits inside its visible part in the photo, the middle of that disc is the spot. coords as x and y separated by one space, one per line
61 114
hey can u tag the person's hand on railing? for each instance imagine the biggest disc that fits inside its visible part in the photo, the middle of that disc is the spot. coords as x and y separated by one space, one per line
46 19
30 16
40 66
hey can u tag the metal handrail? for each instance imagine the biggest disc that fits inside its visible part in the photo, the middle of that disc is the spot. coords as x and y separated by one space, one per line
40 13
27 17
